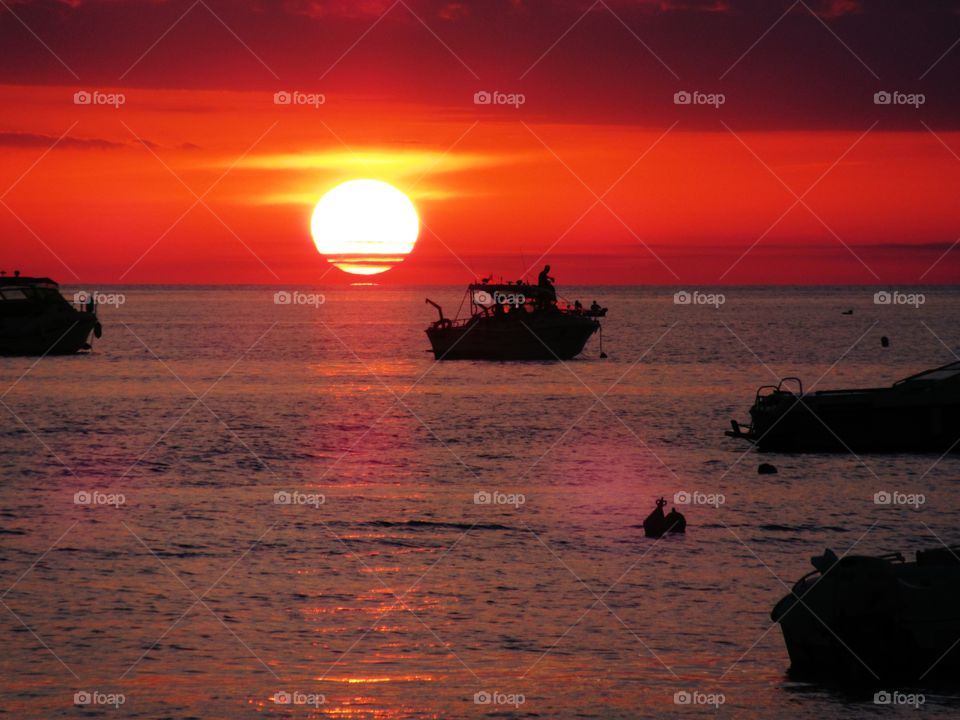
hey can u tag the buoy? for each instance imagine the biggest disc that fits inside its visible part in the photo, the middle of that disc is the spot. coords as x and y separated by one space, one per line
766 469
885 341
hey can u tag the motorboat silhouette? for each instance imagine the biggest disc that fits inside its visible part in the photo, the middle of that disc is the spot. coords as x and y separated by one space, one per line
920 413
35 319
513 321
656 524
860 618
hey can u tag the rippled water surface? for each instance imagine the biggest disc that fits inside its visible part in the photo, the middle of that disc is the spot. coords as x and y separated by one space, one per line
386 591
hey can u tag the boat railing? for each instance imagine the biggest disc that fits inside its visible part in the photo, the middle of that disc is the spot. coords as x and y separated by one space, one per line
779 388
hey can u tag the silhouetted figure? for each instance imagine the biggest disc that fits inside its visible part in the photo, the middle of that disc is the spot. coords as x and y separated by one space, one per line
656 524
578 307
595 306
548 294
675 522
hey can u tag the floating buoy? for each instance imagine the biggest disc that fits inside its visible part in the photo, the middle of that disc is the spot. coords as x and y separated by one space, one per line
847 312
885 341
766 469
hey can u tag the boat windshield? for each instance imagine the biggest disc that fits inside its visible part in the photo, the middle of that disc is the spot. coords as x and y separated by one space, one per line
14 294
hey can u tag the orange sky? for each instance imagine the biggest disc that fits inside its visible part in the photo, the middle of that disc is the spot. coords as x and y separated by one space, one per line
695 197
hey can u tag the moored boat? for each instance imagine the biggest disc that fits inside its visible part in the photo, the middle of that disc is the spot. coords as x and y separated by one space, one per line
870 619
35 319
513 321
920 413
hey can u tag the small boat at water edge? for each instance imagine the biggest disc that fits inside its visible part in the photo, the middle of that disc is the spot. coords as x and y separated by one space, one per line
920 413
35 319
513 321
875 619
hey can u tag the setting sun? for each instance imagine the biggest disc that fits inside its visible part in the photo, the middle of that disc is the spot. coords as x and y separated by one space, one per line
365 227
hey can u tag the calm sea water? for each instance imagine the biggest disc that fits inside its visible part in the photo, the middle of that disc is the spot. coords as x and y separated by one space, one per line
384 590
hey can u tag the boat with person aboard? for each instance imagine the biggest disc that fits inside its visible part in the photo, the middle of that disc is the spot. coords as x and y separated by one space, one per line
35 319
920 413
514 321
870 619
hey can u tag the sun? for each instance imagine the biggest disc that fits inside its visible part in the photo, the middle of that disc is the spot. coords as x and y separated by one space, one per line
365 227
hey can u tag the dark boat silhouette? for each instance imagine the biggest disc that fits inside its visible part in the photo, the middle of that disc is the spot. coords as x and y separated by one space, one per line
35 319
513 321
868 619
920 413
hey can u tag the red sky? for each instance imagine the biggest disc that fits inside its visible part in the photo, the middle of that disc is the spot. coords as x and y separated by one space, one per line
696 194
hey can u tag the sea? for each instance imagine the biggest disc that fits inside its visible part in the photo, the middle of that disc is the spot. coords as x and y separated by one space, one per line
273 502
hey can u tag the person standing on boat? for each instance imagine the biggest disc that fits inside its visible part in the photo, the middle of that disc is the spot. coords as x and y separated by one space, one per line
548 293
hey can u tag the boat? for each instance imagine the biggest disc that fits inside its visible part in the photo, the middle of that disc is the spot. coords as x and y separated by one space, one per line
920 413
35 319
513 321
875 618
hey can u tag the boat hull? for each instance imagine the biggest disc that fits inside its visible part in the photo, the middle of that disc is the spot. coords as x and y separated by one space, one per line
869 620
869 421
560 337
58 334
